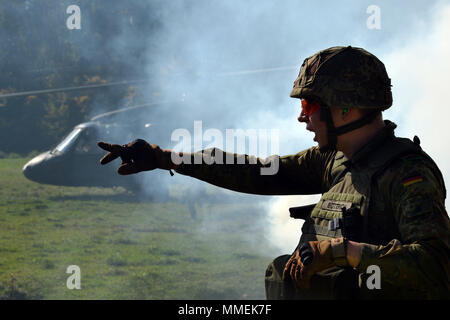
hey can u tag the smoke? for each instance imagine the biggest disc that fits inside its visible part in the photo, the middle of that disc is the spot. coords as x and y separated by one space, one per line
419 71
284 231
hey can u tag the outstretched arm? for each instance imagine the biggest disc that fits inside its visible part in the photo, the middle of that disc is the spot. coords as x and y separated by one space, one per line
302 173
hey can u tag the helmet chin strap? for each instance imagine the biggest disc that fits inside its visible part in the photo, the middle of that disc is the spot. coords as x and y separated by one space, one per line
333 132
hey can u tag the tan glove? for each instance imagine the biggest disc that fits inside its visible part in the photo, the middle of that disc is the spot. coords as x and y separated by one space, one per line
293 268
313 257
137 156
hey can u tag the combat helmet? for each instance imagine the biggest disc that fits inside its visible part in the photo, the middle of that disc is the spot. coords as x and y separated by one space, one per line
344 77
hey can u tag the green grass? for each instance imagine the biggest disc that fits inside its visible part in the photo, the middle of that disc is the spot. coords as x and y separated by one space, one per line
125 248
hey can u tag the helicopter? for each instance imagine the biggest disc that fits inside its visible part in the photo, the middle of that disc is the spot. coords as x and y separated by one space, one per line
74 161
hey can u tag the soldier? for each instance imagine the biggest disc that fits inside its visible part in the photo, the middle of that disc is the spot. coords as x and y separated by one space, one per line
382 198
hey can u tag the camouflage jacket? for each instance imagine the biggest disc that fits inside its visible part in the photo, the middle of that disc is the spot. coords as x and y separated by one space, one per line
407 226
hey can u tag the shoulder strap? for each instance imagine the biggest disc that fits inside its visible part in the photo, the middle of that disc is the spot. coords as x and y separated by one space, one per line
338 170
404 147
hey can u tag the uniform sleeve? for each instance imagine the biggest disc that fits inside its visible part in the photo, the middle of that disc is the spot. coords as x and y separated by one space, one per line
302 173
418 263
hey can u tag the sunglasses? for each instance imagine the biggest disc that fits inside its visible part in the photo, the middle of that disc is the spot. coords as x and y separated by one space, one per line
309 107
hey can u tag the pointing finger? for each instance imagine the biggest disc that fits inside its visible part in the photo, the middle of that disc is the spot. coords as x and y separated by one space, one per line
114 148
115 151
127 168
108 158
104 145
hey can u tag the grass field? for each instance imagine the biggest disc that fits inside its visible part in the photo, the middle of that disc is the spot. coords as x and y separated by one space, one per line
125 248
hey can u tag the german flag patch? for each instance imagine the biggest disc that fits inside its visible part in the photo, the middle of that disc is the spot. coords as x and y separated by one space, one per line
412 180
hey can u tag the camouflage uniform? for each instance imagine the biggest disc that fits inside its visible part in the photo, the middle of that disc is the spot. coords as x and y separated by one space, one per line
405 227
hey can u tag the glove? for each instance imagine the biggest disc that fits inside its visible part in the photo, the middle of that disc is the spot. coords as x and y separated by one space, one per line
136 156
313 257
293 268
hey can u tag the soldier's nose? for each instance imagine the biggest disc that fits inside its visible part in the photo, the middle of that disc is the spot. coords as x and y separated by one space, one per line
302 117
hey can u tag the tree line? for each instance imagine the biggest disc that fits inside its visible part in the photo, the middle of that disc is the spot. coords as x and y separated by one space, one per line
38 51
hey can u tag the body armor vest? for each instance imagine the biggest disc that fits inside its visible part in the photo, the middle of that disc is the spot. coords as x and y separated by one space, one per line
350 208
